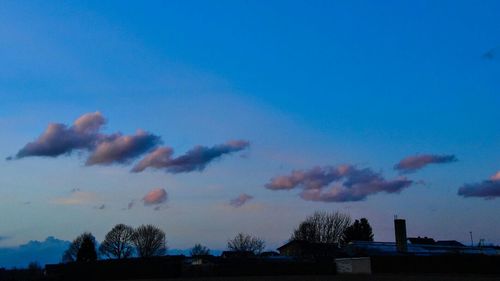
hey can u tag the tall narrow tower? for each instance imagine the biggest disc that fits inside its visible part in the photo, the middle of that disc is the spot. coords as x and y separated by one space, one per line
400 230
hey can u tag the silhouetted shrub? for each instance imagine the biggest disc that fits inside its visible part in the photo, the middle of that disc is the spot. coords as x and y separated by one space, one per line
246 243
199 250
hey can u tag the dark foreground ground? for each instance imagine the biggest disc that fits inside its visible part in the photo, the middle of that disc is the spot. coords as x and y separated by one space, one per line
377 277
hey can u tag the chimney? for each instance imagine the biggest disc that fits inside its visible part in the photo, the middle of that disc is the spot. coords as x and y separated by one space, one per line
400 229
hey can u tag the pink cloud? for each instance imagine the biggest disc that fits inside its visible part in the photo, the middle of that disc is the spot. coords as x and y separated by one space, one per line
496 176
158 158
155 196
337 184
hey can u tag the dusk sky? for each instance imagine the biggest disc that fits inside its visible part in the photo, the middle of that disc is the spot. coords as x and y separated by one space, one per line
209 118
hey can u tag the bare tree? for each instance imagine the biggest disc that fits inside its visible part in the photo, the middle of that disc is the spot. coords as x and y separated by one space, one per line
71 254
244 242
118 242
322 227
199 250
149 241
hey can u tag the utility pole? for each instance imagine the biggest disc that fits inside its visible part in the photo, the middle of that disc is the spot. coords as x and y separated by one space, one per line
471 241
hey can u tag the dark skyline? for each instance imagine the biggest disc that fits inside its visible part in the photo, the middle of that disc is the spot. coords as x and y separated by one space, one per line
230 116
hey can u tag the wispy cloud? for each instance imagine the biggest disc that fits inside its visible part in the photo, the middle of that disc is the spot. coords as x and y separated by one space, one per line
338 183
413 163
487 189
77 198
240 200
195 159
155 197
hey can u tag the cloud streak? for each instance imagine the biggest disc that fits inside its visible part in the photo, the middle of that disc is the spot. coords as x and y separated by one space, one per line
411 164
195 159
487 189
342 183
241 200
107 149
77 198
121 149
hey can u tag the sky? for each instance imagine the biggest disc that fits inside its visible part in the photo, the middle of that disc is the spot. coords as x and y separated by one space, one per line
210 118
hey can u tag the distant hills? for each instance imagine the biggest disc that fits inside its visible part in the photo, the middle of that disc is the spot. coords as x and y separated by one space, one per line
43 252
50 251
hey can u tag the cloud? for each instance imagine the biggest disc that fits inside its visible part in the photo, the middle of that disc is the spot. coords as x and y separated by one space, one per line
195 159
160 207
130 204
491 53
106 149
240 200
101 207
314 178
342 183
158 158
120 149
488 189
60 139
155 196
77 198
413 163
495 177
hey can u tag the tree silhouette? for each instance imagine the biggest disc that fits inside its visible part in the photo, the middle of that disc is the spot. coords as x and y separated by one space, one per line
87 252
118 242
73 251
149 241
71 254
322 227
199 250
244 242
360 230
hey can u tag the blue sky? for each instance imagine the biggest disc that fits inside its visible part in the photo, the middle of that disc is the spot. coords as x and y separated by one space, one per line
307 84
